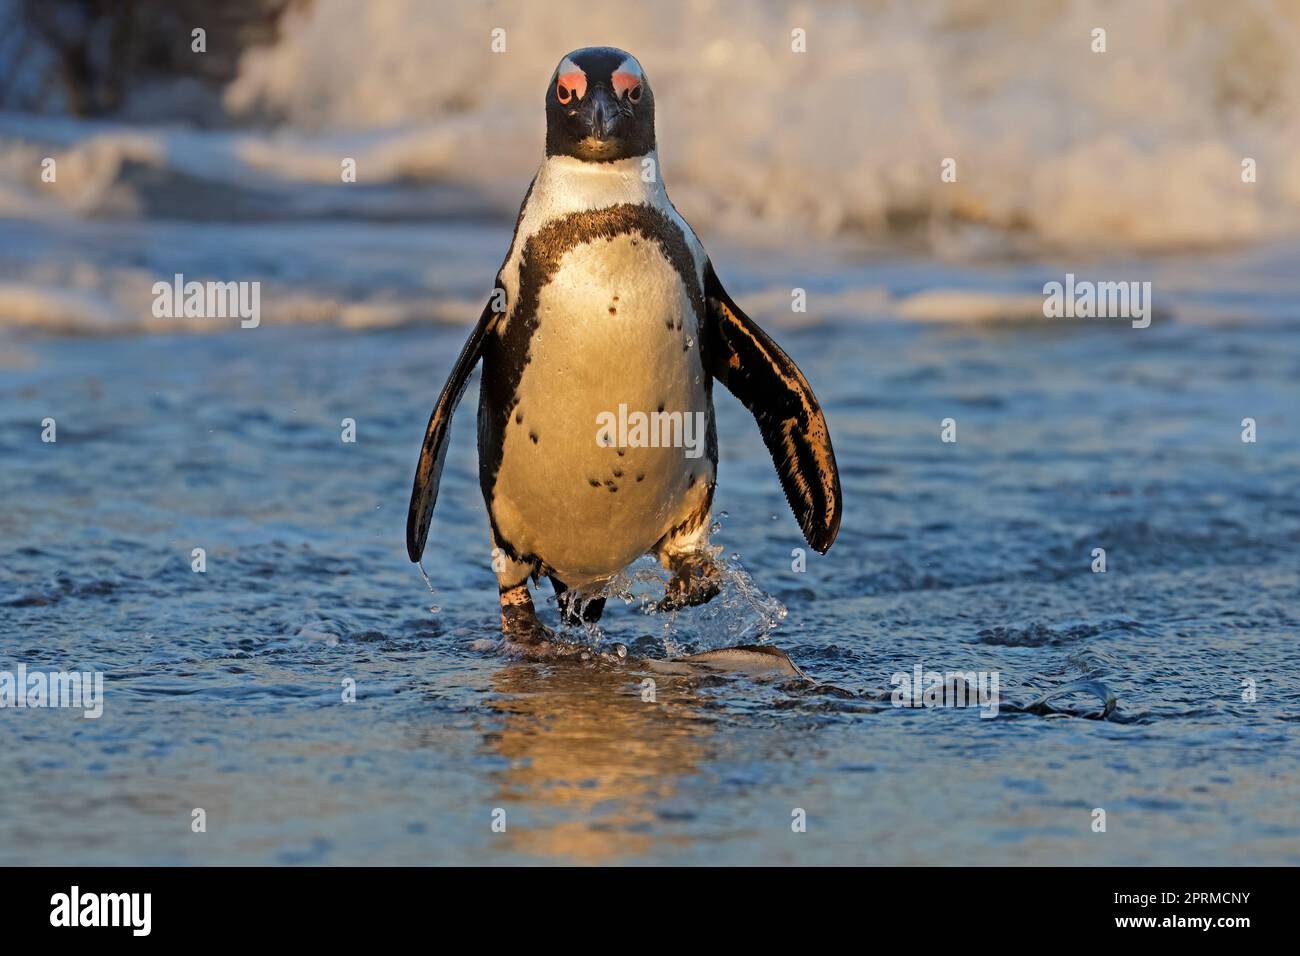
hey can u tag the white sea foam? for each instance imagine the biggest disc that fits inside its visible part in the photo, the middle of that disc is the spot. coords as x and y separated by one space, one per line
1122 154
1140 145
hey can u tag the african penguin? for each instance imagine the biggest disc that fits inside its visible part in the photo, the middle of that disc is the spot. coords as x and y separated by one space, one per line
600 346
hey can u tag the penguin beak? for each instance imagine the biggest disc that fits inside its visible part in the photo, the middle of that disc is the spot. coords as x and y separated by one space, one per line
600 114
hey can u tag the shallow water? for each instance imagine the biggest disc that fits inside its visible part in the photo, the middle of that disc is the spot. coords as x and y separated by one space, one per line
224 688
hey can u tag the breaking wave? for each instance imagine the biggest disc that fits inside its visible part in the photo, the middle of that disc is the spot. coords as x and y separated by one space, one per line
1136 151
1141 144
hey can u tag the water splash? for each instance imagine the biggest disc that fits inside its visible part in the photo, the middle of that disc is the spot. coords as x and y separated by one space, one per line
741 613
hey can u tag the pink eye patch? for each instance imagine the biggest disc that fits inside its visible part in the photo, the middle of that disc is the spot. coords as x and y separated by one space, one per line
569 85
628 83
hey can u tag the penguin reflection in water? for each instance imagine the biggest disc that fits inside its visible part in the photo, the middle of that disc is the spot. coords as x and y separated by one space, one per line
607 305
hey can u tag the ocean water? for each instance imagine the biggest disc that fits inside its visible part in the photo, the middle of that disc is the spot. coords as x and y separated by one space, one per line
224 688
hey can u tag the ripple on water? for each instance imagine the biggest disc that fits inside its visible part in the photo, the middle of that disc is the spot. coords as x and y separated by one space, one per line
1042 634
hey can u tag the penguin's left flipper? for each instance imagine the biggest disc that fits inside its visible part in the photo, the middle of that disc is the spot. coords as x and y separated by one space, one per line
428 472
754 368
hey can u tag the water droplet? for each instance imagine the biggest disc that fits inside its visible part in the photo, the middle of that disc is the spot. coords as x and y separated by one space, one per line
433 609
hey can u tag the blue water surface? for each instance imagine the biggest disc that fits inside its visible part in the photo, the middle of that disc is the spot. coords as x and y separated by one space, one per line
224 689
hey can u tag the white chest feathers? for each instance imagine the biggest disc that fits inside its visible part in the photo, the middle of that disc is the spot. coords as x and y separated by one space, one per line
565 185
605 451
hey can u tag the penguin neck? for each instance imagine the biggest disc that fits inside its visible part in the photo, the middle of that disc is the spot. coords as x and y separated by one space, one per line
567 184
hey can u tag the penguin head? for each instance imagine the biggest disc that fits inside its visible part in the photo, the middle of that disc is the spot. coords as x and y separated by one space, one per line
599 107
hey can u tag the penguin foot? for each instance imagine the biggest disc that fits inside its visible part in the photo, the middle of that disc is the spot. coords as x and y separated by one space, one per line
519 623
695 581
576 609
556 650
524 630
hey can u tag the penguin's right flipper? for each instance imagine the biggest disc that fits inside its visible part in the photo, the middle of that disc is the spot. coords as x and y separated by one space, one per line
428 472
754 368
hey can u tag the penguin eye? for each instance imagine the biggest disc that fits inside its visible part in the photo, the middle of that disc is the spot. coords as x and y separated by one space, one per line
626 84
570 85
